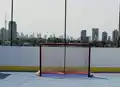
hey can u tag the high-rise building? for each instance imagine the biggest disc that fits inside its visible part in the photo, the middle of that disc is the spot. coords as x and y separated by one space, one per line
45 36
14 30
26 36
71 38
115 35
61 37
86 39
104 36
18 35
22 34
83 35
109 38
39 35
3 34
95 34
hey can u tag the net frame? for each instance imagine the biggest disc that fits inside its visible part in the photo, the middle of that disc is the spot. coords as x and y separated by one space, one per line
65 45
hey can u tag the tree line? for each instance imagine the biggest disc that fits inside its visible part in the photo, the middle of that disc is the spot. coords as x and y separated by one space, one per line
38 41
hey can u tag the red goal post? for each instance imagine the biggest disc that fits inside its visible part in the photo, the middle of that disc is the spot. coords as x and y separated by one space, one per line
48 54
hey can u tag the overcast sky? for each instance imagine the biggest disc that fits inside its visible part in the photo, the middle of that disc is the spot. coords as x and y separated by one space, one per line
48 15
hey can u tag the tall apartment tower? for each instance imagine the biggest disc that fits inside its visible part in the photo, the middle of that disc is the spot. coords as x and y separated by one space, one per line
14 30
4 31
3 34
95 34
115 35
83 35
104 36
109 38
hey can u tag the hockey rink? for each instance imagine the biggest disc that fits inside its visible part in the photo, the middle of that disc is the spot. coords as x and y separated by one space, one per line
22 79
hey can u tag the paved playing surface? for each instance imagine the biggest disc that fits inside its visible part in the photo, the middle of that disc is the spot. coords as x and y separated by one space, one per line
19 79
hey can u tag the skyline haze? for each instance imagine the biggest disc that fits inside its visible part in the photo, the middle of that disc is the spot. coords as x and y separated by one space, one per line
44 16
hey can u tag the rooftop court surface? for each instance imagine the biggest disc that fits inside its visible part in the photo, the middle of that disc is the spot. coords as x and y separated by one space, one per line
29 79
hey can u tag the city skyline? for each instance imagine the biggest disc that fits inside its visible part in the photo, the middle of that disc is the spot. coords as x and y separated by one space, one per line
49 16
83 33
5 34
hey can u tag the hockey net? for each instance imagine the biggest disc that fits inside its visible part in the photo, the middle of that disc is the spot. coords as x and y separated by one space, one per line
65 59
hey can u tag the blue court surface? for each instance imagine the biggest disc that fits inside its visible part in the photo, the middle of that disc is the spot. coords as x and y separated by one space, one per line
29 79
